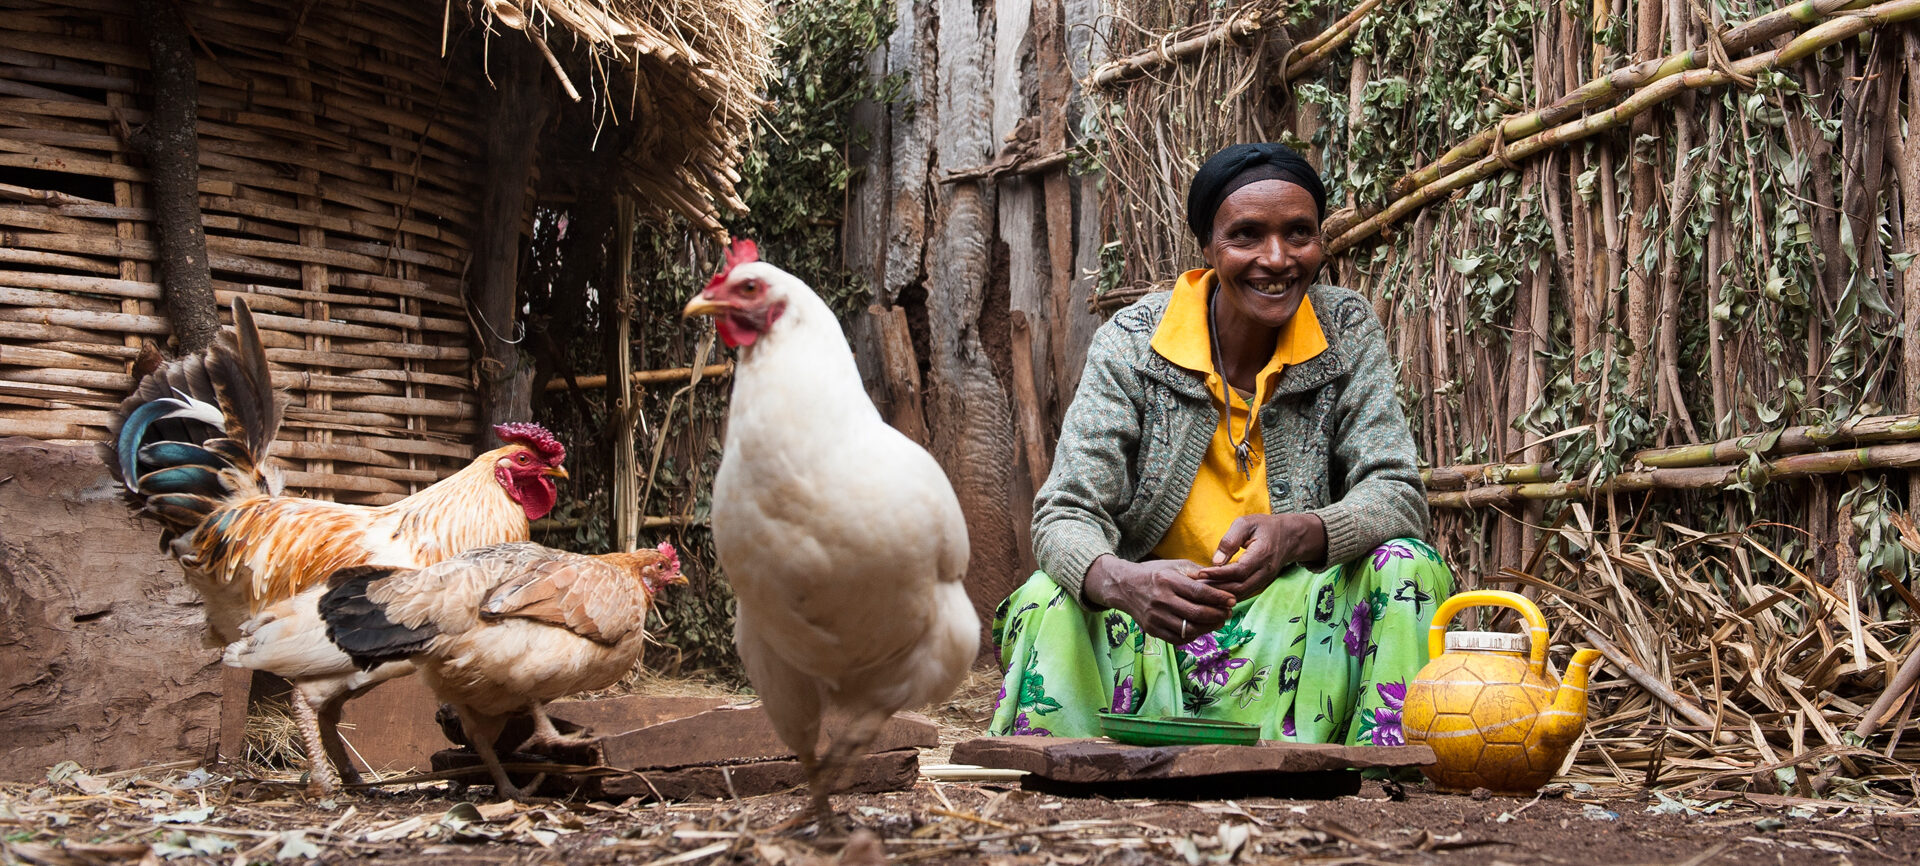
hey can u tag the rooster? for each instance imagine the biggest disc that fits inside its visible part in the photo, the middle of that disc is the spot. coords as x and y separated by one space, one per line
843 540
191 445
502 629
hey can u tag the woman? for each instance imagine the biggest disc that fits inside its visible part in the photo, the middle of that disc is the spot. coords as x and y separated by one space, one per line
1203 557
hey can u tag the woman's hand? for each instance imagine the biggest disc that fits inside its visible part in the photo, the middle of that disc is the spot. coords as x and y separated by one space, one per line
1270 543
1161 595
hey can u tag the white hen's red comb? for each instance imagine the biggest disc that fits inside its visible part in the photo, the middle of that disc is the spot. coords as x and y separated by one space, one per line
741 252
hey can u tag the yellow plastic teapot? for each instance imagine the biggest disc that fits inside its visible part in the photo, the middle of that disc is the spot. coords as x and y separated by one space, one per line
1488 705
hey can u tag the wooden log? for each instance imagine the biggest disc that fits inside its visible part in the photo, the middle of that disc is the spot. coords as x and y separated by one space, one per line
997 170
511 144
173 159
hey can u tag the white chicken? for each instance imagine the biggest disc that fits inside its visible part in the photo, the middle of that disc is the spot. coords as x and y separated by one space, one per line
842 538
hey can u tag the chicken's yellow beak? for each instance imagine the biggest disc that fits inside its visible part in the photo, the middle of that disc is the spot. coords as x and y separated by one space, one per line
556 471
701 305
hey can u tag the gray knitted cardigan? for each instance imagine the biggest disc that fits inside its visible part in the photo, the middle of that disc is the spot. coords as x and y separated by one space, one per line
1336 444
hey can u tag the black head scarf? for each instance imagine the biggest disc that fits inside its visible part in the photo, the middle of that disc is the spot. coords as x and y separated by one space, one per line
1243 164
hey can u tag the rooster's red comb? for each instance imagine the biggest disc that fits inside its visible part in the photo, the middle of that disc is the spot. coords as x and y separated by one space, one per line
741 252
535 437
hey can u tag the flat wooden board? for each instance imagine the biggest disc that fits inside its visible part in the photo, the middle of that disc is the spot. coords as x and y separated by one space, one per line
1093 761
730 734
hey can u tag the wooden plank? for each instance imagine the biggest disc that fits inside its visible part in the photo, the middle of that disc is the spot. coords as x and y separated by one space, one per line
738 733
1085 760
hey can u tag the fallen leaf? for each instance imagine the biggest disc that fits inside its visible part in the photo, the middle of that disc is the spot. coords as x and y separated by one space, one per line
294 844
185 816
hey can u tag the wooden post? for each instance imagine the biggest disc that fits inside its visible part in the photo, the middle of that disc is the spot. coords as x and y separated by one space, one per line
506 377
1026 399
626 472
900 368
1910 221
173 161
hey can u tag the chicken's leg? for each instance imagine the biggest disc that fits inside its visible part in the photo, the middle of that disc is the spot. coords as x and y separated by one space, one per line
336 748
851 743
321 777
481 732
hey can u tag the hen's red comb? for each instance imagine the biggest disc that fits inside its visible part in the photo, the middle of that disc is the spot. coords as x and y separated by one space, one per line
673 558
741 252
533 436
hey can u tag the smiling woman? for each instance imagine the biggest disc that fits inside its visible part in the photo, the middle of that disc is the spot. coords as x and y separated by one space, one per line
1231 528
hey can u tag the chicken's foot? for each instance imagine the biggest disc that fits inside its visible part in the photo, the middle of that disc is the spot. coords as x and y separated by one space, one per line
546 736
481 732
322 780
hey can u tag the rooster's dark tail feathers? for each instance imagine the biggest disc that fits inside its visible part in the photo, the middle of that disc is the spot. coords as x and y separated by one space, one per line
195 431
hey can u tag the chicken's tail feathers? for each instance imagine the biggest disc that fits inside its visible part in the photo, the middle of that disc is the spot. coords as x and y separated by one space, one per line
359 626
195 431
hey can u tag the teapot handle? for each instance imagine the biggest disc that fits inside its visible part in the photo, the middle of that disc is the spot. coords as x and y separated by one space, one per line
1536 623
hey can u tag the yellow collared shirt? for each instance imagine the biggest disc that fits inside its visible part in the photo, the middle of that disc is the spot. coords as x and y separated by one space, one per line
1220 494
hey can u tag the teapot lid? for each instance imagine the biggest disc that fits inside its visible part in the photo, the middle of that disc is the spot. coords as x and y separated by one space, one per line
1496 641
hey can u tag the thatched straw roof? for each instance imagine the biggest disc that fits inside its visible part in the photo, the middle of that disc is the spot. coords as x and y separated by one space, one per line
690 72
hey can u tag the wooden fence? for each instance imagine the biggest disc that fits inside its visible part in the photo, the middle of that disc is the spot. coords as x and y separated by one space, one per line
338 175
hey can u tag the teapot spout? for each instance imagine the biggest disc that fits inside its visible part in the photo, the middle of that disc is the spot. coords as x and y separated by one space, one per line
1572 697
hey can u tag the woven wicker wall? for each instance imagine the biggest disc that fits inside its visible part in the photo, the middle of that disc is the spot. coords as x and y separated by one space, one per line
339 175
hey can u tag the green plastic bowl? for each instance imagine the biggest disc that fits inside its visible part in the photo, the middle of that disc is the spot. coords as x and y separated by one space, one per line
1176 731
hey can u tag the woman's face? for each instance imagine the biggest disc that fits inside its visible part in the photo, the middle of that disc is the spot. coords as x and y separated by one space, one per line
1266 249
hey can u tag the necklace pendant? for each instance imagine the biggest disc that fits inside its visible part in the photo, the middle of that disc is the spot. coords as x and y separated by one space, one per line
1240 458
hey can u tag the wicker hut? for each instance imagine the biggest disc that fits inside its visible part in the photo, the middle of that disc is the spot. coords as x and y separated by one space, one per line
366 178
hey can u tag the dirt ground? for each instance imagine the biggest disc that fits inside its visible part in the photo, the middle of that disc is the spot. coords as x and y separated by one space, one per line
195 816
234 816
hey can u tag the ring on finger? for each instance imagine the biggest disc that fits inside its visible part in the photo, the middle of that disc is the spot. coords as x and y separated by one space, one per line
1183 631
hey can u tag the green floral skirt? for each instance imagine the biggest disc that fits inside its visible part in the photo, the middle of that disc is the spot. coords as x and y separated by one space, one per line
1319 657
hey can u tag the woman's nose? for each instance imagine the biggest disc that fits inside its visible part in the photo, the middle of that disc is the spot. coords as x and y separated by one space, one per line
1275 253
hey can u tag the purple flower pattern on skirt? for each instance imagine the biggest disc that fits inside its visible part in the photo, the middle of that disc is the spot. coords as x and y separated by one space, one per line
1123 695
1211 664
1359 628
1024 728
1389 552
1386 719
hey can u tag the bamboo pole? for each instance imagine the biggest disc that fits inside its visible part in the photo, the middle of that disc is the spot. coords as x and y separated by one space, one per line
1307 55
1802 47
1128 68
1905 455
1755 32
1792 440
645 377
626 469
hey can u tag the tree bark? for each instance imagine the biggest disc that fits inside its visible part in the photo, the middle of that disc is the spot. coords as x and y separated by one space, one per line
968 412
506 375
173 162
